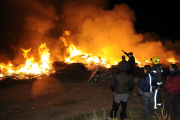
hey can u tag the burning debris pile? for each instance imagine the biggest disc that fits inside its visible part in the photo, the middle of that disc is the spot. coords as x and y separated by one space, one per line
77 72
70 72
76 65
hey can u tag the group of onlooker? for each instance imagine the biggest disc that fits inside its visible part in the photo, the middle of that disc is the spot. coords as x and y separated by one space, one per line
150 85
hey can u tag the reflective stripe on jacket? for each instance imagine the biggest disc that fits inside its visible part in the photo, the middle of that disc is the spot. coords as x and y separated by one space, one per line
148 83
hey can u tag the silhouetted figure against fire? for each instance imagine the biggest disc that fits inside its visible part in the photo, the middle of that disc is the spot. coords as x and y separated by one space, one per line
120 85
131 61
123 61
157 71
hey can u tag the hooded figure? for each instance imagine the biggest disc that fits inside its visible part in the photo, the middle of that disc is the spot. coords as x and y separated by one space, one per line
120 85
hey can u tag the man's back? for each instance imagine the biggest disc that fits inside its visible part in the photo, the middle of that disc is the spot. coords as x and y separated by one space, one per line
122 82
131 63
157 71
122 62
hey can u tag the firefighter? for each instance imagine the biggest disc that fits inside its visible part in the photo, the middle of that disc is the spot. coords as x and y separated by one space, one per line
157 71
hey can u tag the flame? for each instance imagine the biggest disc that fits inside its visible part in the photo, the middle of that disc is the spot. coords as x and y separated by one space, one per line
37 69
172 60
76 55
25 52
140 64
31 68
66 33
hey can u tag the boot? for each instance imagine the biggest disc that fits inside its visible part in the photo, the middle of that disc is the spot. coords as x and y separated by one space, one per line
114 109
123 111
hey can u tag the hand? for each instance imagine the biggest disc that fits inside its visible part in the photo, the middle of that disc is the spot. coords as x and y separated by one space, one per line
122 50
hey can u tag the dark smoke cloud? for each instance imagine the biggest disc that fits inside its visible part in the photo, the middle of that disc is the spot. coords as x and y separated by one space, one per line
94 29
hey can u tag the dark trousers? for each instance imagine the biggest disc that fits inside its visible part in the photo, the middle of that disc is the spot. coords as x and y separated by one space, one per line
171 99
115 109
148 98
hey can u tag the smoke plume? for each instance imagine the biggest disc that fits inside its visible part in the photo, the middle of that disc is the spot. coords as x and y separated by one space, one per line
94 29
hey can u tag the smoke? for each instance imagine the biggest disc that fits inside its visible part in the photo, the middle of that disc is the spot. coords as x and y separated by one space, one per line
106 32
29 24
94 29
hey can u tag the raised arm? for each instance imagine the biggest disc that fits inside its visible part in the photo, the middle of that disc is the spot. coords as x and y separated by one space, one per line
125 53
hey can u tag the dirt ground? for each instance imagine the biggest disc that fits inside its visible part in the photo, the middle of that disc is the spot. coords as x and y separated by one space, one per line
51 99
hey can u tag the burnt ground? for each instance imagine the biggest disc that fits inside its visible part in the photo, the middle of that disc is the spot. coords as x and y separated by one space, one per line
62 95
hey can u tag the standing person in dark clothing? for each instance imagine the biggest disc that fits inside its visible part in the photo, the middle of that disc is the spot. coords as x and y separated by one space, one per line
157 71
120 85
147 87
131 61
172 87
123 61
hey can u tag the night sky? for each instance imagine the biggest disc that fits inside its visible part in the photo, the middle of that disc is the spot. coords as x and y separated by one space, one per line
162 18
17 29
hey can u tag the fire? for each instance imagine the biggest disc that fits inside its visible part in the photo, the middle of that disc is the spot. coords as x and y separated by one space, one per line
37 69
76 55
172 60
140 64
145 62
31 68
66 33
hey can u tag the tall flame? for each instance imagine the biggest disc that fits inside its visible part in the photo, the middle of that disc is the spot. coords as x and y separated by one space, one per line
31 67
76 55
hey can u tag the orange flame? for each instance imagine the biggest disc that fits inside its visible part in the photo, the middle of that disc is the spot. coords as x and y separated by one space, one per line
76 55
172 60
31 67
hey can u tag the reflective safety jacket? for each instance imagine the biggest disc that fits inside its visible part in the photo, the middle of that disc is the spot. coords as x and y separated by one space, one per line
157 71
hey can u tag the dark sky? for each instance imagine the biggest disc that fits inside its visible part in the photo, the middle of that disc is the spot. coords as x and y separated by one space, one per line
162 17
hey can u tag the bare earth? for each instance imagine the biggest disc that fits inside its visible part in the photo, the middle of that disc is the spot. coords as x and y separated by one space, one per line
50 99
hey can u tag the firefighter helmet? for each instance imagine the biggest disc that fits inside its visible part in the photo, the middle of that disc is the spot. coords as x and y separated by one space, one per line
155 60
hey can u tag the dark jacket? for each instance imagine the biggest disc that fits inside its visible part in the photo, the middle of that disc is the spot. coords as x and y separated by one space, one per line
121 82
131 63
173 82
157 71
123 61
146 84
